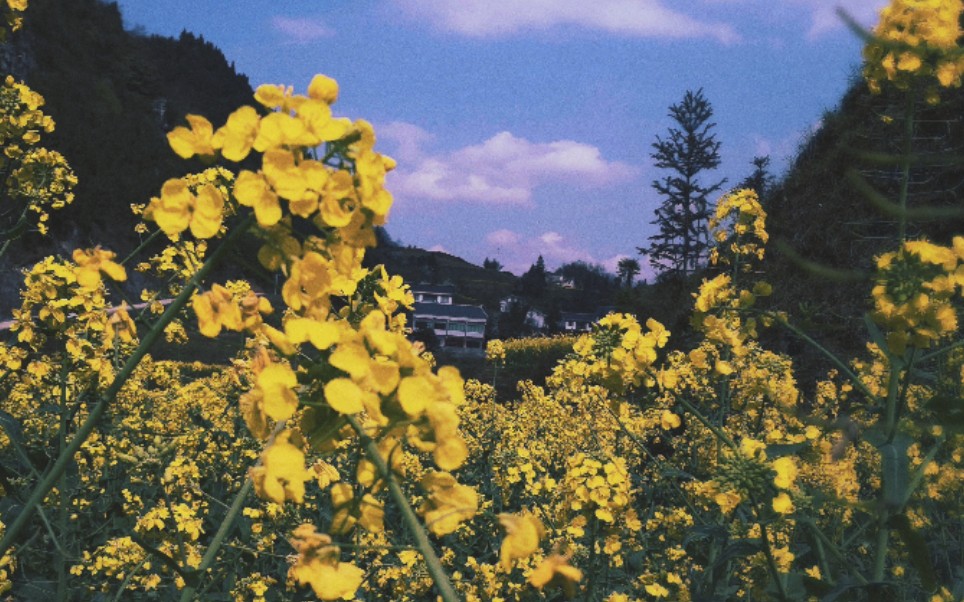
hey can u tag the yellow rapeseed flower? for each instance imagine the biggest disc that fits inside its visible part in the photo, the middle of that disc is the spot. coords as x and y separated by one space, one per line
194 141
91 263
522 535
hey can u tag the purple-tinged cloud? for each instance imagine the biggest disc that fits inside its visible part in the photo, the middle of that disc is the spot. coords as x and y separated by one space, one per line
636 18
302 30
503 170
517 253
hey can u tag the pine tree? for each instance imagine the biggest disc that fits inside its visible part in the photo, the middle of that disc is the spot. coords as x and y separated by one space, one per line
689 150
760 180
533 283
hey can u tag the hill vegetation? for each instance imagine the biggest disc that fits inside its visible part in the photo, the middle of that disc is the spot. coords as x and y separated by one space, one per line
825 231
114 94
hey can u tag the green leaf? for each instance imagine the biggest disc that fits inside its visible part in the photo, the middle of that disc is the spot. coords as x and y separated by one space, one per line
878 337
919 555
785 449
949 411
738 548
11 427
703 532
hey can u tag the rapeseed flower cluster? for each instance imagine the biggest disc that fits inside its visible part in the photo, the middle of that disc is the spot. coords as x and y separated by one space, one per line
915 293
916 40
35 178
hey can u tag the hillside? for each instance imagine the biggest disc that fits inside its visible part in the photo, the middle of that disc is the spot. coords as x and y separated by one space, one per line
826 221
474 285
114 95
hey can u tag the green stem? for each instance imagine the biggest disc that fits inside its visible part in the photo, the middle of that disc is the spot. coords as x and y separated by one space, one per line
141 246
905 163
939 352
14 232
97 412
62 514
434 565
772 563
918 475
187 594
127 580
833 358
720 435
822 560
893 397
832 547
900 397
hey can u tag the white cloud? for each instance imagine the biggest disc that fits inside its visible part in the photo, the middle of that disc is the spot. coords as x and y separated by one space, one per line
638 18
505 169
301 30
407 138
502 238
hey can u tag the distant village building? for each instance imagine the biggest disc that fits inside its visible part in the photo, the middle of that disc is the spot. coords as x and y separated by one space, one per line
557 279
433 293
507 302
571 321
536 319
458 328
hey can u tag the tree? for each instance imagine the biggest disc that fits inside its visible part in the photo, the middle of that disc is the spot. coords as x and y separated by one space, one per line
760 180
533 282
492 264
688 151
628 269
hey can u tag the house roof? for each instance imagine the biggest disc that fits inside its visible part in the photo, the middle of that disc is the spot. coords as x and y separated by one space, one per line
572 316
465 312
433 288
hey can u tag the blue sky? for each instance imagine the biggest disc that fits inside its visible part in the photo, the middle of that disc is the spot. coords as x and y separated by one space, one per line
524 127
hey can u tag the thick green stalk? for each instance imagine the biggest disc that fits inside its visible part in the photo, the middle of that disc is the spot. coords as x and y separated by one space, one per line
412 524
62 511
881 547
97 412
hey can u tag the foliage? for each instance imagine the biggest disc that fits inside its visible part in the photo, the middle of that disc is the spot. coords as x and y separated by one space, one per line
760 180
688 151
114 94
628 270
